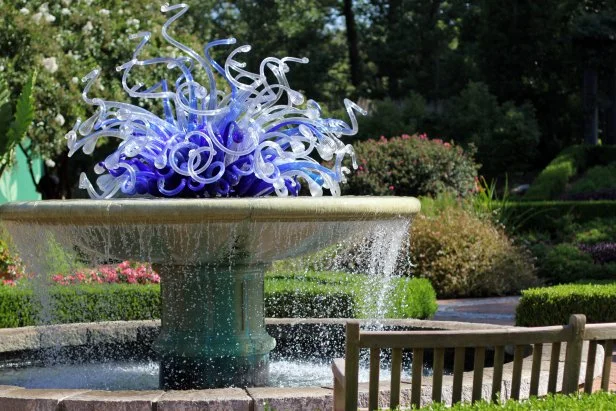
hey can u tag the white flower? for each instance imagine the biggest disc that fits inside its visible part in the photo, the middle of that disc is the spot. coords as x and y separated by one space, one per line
24 11
50 18
65 12
75 80
37 17
50 64
59 119
1 68
132 22
44 8
88 27
66 2
104 12
50 163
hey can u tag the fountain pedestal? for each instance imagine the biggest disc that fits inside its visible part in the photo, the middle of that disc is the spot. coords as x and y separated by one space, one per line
213 327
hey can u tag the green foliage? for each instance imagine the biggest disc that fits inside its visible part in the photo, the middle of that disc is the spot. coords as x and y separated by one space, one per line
594 231
552 182
464 255
600 401
20 306
412 166
566 263
412 298
595 179
554 305
506 136
321 294
335 294
393 118
552 216
14 122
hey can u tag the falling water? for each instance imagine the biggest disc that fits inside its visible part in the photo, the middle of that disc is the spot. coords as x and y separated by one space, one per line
375 246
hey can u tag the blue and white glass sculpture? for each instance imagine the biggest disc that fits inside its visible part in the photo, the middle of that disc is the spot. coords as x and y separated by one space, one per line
256 139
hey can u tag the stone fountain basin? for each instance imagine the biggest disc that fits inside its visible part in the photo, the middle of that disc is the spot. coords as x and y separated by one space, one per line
211 231
15 343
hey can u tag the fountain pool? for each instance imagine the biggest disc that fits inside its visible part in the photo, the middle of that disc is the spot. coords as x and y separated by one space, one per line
211 257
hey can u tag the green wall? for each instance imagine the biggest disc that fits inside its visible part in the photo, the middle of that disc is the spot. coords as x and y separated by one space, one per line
16 183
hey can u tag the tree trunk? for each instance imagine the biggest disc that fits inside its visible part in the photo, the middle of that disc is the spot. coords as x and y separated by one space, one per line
610 135
591 112
351 33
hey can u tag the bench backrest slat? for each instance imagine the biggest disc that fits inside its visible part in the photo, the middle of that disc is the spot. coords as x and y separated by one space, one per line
497 377
536 369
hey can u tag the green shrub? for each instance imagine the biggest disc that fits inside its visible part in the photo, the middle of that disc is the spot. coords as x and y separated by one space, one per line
506 136
464 255
594 231
566 263
321 294
19 306
552 216
600 401
572 161
554 305
596 178
312 294
552 181
412 298
343 295
412 166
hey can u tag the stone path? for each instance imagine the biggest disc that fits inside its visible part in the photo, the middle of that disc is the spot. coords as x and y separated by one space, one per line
498 310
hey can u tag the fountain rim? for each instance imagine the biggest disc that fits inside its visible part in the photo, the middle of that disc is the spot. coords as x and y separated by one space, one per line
170 211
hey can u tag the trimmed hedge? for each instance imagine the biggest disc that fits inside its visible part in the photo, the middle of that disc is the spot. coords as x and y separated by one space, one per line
547 215
286 295
343 295
599 401
552 181
19 306
554 305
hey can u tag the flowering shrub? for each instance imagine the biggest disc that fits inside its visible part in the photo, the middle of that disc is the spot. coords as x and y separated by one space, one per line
412 166
601 253
11 267
123 273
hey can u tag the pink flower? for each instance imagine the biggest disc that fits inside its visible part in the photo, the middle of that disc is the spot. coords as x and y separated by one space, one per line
438 141
124 265
405 136
392 188
447 144
423 136
10 283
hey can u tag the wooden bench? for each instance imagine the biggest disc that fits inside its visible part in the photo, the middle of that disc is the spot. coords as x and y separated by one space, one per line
573 335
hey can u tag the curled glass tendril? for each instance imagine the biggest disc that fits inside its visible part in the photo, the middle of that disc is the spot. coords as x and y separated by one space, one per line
255 140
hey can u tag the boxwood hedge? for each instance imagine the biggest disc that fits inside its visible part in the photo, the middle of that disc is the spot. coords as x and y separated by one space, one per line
554 305
286 295
600 401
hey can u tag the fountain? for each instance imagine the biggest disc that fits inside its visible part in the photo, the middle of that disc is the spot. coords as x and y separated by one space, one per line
210 249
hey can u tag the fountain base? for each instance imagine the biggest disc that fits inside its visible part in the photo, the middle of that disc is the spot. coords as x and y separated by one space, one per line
213 327
182 373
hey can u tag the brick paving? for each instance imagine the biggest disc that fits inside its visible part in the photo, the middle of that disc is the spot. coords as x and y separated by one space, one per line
499 310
